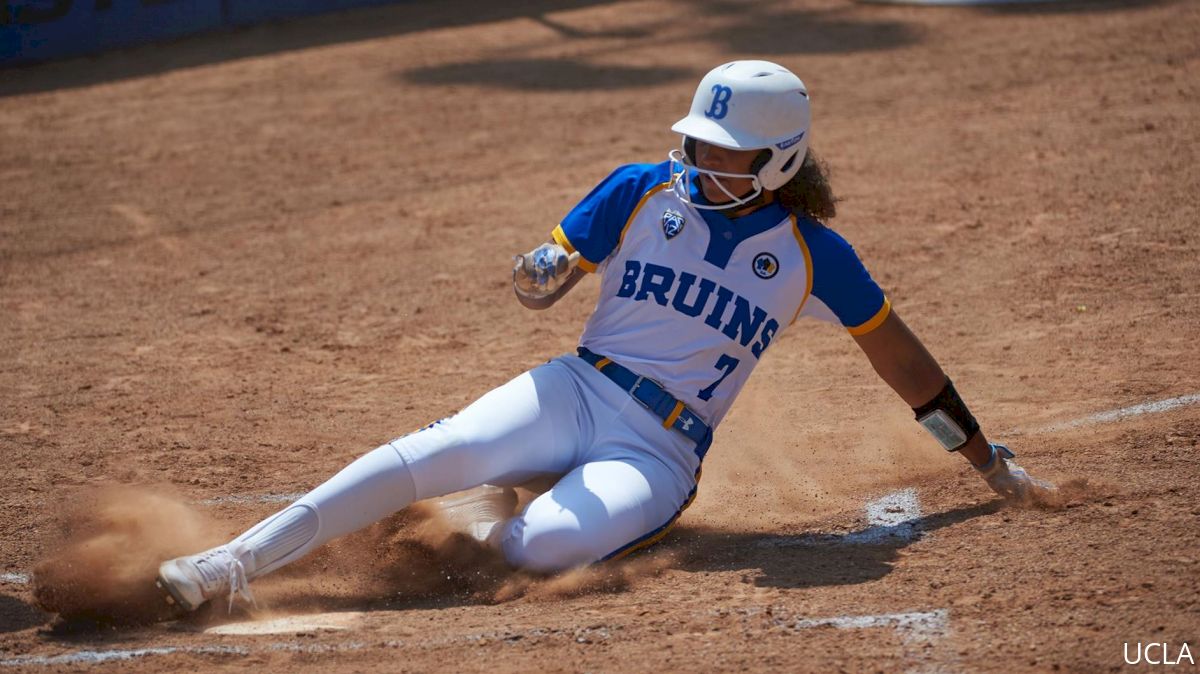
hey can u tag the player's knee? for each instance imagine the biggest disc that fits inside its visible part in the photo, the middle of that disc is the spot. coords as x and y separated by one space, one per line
546 545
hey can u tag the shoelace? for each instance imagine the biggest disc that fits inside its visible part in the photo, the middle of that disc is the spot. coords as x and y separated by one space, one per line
239 584
210 568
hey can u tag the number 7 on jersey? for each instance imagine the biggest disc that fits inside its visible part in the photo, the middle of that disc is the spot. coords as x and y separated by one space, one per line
725 362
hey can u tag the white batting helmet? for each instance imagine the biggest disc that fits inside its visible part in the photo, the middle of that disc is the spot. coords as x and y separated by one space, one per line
751 105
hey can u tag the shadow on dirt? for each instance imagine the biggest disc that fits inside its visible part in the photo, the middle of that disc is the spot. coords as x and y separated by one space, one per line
813 560
741 28
760 28
16 615
545 75
292 34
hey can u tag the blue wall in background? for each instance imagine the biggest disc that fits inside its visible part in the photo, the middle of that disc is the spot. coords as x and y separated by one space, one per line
39 30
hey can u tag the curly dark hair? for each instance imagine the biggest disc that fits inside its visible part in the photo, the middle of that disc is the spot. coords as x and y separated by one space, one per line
808 193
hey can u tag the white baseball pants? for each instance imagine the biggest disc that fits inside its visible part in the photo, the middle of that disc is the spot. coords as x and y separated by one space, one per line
625 478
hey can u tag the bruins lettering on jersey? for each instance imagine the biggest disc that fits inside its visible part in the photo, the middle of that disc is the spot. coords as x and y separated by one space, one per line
643 281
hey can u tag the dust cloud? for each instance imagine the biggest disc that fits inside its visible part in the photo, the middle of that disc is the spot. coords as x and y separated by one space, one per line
770 471
103 558
1070 493
102 562
414 555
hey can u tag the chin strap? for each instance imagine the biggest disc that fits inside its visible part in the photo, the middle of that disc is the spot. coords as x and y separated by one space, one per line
760 199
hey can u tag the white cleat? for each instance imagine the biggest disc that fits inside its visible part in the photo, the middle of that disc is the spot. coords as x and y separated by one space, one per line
478 512
193 580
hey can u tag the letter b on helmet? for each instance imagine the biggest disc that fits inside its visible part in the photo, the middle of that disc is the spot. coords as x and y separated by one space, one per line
720 102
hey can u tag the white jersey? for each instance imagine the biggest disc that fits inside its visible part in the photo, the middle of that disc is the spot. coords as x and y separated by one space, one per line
692 298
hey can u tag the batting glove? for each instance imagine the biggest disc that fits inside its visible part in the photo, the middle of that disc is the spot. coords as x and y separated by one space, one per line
542 270
1009 480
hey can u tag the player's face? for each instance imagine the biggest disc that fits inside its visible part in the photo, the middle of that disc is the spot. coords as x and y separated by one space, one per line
715 158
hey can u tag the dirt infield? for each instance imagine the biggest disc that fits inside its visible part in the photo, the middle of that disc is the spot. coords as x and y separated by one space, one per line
231 264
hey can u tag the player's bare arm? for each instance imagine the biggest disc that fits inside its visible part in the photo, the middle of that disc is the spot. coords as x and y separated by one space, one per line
902 361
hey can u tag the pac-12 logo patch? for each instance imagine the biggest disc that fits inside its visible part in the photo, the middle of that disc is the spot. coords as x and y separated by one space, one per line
672 222
765 265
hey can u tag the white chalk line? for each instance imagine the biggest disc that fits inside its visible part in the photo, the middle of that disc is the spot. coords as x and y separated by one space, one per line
914 626
892 518
14 578
1153 407
94 657
251 498
920 631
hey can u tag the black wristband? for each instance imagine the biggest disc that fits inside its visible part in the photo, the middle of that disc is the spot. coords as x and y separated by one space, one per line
947 418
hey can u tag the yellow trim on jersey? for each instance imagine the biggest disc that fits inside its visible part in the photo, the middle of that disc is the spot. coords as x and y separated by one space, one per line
670 420
636 209
808 263
560 237
602 362
874 321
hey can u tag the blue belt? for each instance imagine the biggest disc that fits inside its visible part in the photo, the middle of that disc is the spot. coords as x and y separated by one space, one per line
655 398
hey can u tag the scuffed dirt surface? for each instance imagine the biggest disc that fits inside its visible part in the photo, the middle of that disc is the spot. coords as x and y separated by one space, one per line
231 264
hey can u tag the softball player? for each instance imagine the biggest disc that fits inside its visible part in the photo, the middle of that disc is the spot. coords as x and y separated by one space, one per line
705 260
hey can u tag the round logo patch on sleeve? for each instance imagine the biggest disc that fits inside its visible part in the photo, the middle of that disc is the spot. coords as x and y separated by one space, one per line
765 265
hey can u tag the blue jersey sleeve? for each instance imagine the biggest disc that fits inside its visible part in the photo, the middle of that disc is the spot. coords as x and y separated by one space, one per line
841 281
595 225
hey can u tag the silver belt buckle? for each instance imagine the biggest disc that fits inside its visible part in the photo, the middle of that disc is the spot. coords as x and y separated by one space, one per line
638 382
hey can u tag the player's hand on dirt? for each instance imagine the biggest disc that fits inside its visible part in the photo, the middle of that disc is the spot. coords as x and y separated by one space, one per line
1010 480
543 270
